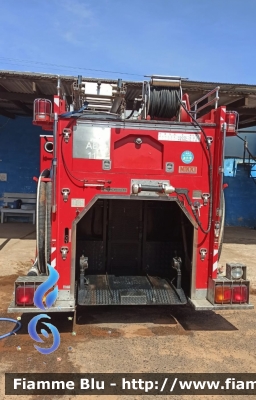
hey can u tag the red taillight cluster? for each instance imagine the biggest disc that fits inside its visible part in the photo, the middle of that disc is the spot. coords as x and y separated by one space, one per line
232 290
231 294
24 295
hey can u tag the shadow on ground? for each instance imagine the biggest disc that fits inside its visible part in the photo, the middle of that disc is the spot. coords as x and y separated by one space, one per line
239 235
186 316
160 316
14 230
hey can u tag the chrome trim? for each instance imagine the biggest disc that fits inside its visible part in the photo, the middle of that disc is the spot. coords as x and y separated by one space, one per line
200 294
193 274
224 130
122 197
183 208
54 163
149 125
64 303
73 260
204 304
43 136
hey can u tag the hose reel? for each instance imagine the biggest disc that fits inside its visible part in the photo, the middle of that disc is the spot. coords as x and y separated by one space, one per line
160 97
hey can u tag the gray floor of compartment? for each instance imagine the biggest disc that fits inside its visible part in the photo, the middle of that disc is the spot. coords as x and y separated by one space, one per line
128 290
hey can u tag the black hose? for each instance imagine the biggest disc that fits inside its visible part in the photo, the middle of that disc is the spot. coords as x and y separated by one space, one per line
40 221
69 173
48 223
131 114
209 173
163 102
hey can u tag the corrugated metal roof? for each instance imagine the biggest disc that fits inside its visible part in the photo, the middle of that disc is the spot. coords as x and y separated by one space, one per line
16 91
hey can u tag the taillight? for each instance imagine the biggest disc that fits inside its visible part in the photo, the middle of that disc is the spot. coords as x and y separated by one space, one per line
24 295
232 122
222 294
233 294
239 294
228 292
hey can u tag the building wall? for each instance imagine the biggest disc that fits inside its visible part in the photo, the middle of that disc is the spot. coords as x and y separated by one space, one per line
235 147
19 154
240 199
241 191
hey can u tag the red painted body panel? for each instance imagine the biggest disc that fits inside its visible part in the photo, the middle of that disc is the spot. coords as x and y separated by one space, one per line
132 161
45 157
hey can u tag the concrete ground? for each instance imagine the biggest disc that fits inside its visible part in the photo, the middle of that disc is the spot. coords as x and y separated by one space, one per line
129 339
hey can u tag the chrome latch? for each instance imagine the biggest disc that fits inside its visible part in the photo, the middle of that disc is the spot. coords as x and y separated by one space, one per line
217 229
65 192
205 197
66 134
196 206
203 253
64 252
83 261
219 212
209 140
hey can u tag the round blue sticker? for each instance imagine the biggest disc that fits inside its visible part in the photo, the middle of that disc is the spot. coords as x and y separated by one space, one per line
187 157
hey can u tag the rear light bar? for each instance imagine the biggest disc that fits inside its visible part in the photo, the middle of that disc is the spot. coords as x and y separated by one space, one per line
224 291
24 290
225 294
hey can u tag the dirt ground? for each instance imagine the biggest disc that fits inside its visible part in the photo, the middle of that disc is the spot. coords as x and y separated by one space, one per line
128 339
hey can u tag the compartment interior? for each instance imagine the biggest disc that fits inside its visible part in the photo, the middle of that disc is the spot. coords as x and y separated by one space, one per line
130 245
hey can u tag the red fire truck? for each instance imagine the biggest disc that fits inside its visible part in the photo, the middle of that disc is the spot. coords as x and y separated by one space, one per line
130 201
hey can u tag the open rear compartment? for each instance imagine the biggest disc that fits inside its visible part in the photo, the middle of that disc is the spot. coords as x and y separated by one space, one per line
130 246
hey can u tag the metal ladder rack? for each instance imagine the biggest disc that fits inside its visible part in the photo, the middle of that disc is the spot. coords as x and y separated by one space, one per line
194 106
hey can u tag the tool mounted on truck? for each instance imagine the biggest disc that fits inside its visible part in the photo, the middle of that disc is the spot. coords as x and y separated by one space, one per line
130 200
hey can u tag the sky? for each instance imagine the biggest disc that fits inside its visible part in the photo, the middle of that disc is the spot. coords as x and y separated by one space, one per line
203 40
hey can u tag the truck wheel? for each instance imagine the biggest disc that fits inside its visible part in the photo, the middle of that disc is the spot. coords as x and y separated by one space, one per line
222 224
48 222
40 228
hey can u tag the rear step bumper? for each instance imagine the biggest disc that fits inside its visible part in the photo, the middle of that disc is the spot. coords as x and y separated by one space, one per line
204 304
64 303
129 290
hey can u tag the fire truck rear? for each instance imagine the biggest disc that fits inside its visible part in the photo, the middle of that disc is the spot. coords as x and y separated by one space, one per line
130 204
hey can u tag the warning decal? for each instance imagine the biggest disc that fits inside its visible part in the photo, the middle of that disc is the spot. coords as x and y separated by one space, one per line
185 169
179 137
